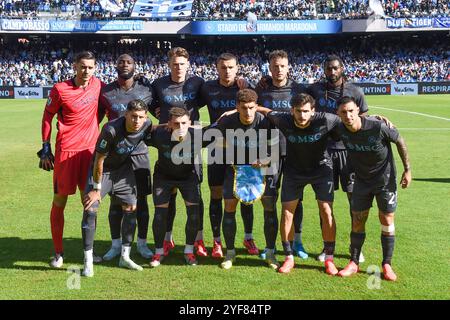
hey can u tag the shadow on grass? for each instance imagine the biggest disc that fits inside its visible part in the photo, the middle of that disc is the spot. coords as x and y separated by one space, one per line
439 180
35 254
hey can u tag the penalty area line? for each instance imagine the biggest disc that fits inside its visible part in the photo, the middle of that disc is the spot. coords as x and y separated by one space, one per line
411 112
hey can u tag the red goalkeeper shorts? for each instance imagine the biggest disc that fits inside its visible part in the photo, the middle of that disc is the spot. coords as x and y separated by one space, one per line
71 170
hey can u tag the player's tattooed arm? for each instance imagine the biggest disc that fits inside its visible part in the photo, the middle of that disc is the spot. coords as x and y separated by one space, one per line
403 152
95 195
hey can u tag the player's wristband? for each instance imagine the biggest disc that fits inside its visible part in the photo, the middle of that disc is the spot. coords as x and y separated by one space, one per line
97 186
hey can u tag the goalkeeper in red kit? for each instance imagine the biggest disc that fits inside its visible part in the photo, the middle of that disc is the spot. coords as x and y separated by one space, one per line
75 102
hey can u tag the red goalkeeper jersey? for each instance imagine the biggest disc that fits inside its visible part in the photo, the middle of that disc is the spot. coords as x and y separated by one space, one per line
77 110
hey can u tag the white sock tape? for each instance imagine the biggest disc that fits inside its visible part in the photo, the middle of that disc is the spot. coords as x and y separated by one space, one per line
388 229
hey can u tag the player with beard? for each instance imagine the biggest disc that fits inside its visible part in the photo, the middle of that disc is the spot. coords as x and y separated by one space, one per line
307 162
368 142
326 95
275 93
114 99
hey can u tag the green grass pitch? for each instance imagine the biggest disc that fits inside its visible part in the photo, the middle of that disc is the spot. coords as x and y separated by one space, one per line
422 223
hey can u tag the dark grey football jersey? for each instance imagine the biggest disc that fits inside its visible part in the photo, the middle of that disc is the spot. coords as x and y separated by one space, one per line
219 99
169 94
245 148
369 150
118 144
327 97
161 139
279 99
306 148
114 101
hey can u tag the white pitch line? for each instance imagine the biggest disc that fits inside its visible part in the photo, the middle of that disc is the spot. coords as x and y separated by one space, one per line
411 112
425 129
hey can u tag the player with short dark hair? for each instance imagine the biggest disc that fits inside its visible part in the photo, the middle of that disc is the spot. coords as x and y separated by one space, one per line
177 167
75 102
327 93
114 99
178 89
242 136
368 142
113 174
220 97
275 94
307 162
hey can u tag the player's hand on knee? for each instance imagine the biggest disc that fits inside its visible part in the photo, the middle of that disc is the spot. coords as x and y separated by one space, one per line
90 198
46 157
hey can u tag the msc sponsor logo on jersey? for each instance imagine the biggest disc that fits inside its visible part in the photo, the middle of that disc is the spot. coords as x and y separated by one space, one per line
244 143
304 139
327 104
123 148
277 104
223 104
118 107
361 147
181 97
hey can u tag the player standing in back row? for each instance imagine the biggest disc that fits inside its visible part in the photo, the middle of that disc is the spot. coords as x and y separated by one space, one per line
75 101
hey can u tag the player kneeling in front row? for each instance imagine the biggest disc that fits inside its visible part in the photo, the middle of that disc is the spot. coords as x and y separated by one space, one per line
307 162
176 167
368 145
113 174
244 140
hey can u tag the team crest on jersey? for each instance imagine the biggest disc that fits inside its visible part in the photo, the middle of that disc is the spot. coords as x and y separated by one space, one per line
103 144
372 139
49 101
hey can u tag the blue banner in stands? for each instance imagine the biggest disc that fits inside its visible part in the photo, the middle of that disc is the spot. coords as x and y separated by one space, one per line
398 23
93 26
266 27
71 25
443 22
162 9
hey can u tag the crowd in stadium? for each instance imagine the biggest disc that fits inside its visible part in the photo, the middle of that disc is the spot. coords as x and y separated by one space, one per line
309 9
369 61
236 9
68 8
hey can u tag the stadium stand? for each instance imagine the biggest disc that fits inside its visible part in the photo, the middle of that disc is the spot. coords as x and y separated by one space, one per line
308 9
231 9
385 59
66 8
